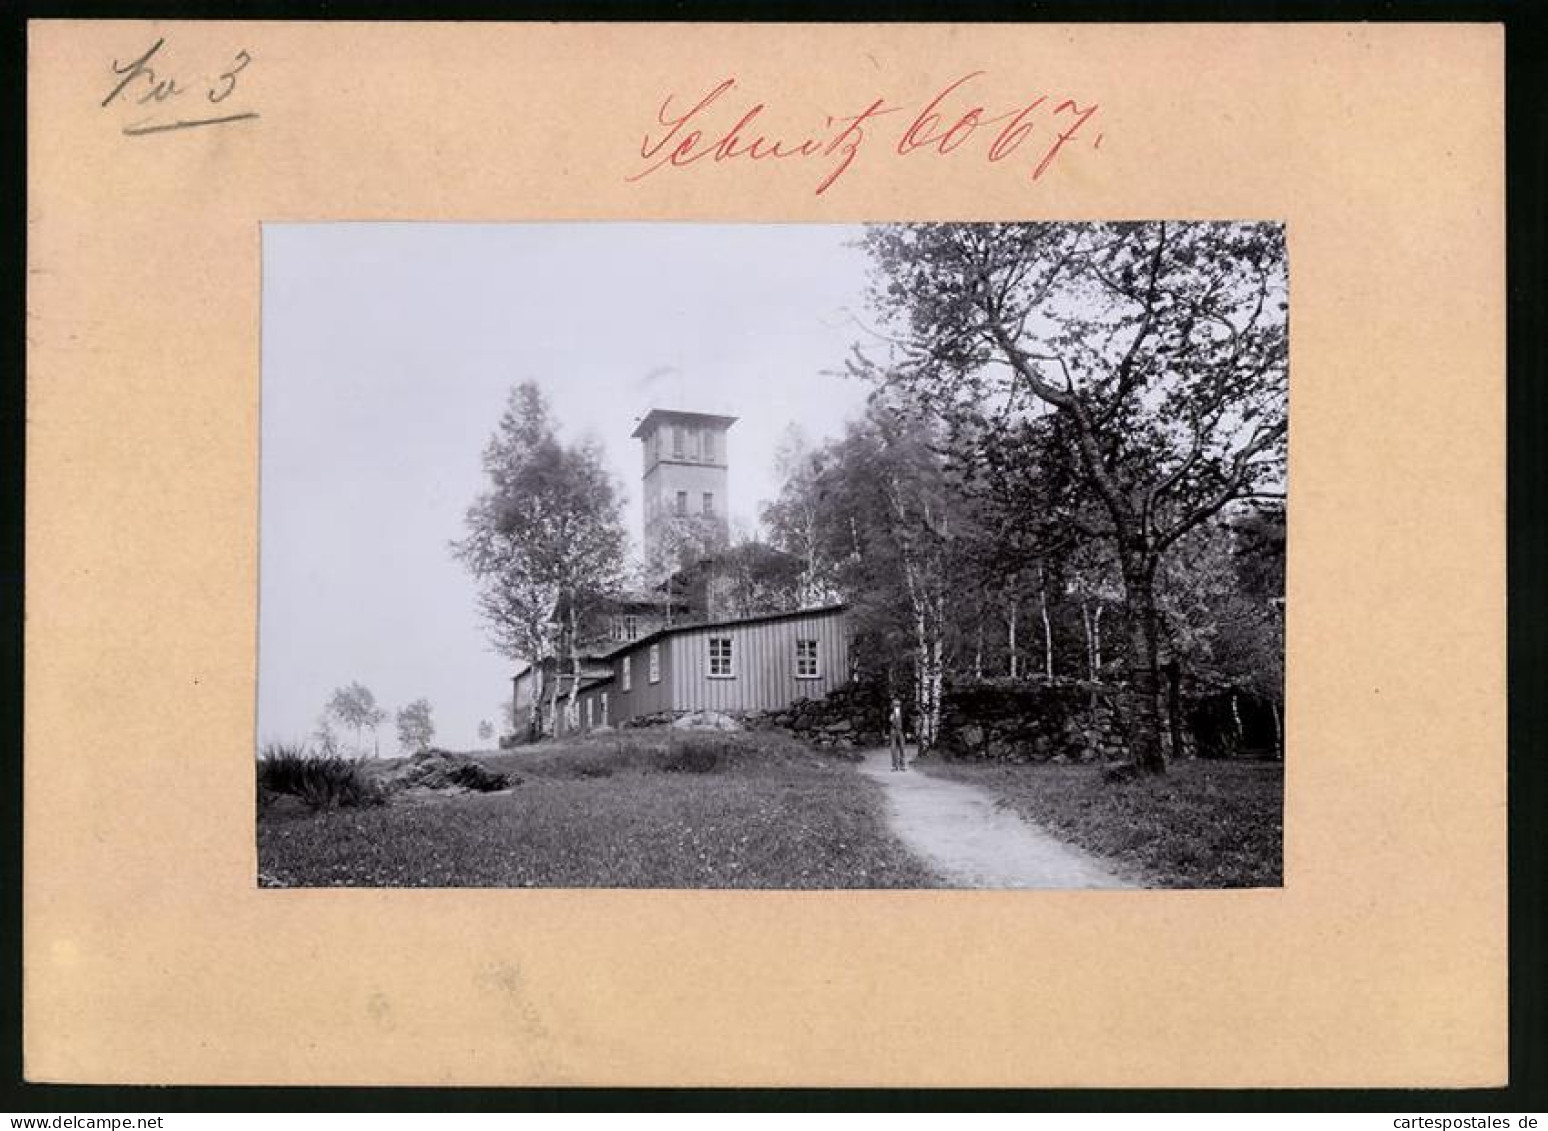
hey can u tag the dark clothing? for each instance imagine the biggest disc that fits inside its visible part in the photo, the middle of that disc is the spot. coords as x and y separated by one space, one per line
898 762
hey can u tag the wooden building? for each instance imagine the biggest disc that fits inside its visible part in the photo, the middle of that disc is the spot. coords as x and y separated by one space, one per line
721 633
748 665
534 684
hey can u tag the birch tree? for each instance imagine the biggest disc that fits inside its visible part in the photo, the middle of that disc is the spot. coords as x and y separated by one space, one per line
886 515
1092 586
794 522
355 706
416 727
545 541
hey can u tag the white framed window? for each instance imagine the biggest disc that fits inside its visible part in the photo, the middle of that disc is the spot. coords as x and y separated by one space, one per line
631 626
677 442
655 663
682 503
709 502
625 675
602 706
721 665
808 665
589 703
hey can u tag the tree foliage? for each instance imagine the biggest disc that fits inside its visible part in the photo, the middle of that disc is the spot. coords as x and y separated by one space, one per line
1222 602
416 728
794 519
752 578
355 707
1136 372
873 516
680 542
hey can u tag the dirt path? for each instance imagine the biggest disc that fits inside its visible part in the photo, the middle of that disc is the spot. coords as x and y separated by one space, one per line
973 842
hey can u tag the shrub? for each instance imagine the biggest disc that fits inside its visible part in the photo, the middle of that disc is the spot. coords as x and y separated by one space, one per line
320 782
655 751
694 754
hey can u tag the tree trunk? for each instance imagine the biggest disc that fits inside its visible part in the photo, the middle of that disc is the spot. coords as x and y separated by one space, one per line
927 713
1015 654
1096 625
1085 624
550 723
1174 707
932 721
1088 622
809 595
1142 696
928 663
919 683
572 707
1042 602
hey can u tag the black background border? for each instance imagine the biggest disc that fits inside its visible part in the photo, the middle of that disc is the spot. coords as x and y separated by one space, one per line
1526 51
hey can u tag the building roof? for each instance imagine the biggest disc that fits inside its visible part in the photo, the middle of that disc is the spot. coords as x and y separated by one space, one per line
735 622
658 416
551 661
641 597
694 626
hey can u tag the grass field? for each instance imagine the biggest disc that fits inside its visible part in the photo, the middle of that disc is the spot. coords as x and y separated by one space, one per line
1202 824
638 809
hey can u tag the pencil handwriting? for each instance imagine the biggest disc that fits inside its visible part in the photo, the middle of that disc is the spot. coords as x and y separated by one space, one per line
147 80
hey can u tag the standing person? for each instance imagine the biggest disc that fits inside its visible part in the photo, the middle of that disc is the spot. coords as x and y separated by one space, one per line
897 734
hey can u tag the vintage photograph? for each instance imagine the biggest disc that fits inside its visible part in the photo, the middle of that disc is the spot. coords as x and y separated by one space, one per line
773 556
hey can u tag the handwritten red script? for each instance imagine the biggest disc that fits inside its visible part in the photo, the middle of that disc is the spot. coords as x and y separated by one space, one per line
722 126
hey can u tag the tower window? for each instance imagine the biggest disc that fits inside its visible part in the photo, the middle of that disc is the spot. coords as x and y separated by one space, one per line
682 502
709 502
677 443
631 626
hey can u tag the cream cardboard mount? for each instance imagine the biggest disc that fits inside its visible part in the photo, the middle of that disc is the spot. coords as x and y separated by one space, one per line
152 957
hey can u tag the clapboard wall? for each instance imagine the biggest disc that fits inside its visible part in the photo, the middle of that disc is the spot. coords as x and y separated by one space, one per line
763 675
643 697
763 663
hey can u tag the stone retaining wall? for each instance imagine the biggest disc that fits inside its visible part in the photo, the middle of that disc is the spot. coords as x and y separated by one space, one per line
1002 720
851 717
1033 721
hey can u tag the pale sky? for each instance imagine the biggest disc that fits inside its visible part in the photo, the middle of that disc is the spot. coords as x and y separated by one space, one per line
388 351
